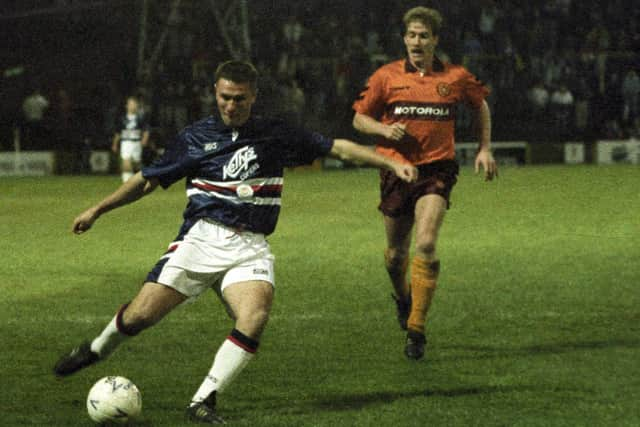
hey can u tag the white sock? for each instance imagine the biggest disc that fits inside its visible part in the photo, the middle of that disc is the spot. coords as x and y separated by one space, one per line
126 176
229 362
108 340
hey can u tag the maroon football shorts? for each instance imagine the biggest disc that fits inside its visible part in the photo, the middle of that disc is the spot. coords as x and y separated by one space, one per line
399 198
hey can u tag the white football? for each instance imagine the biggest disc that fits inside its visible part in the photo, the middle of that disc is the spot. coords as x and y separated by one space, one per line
115 400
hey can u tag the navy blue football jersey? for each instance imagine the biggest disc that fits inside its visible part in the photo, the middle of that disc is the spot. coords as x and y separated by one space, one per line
235 176
131 127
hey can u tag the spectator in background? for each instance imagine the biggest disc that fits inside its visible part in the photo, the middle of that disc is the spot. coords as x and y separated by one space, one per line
538 98
562 109
471 50
582 99
489 15
294 102
630 94
205 100
553 67
34 108
509 62
373 47
292 30
67 126
597 43
298 101
291 61
613 104
613 129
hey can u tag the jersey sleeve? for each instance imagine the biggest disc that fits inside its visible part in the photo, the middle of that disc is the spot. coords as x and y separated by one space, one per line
475 91
371 101
302 147
175 163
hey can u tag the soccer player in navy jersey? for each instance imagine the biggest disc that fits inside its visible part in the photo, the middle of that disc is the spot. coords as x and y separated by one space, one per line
233 163
131 138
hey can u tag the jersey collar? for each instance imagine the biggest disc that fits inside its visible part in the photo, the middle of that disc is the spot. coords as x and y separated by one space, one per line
438 66
221 124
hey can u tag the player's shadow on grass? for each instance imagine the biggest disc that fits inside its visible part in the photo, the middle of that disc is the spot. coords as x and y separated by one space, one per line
351 401
489 352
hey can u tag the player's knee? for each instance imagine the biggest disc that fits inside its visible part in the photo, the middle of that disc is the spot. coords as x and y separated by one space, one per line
136 321
395 258
257 318
127 166
260 317
426 248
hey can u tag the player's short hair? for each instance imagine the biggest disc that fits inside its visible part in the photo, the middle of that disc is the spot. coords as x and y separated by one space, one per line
238 72
429 17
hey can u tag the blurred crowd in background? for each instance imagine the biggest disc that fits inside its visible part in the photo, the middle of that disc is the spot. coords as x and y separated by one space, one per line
558 70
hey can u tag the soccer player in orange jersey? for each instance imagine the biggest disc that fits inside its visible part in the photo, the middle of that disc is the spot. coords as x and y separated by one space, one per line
410 105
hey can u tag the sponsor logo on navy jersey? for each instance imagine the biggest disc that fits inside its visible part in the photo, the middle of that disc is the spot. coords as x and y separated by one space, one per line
240 164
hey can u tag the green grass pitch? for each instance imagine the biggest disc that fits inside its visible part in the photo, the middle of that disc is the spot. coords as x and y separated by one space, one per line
536 321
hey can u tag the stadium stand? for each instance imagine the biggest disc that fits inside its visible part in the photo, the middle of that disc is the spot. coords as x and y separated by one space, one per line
316 55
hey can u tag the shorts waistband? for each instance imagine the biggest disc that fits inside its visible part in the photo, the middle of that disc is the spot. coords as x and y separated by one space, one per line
237 230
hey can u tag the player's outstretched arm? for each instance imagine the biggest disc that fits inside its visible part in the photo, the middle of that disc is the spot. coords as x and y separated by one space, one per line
370 126
350 151
128 192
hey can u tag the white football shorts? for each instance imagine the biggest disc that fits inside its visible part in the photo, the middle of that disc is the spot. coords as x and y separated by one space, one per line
214 256
131 150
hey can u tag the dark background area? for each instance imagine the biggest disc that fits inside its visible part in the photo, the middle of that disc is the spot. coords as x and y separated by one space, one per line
314 57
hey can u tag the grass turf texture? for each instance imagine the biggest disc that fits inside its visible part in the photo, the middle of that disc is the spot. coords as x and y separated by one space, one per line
535 323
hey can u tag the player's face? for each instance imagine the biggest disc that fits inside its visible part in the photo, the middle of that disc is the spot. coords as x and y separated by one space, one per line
420 42
132 106
234 101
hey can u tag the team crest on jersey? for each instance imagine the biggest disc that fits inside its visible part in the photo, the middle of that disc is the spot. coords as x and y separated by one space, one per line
239 166
443 89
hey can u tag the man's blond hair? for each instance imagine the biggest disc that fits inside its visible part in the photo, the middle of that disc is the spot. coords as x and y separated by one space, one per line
429 17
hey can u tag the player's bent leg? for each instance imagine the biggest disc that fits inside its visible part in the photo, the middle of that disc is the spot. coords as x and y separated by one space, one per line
398 231
151 304
250 302
425 267
396 260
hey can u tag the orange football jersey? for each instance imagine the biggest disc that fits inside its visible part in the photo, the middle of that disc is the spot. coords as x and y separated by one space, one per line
398 92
